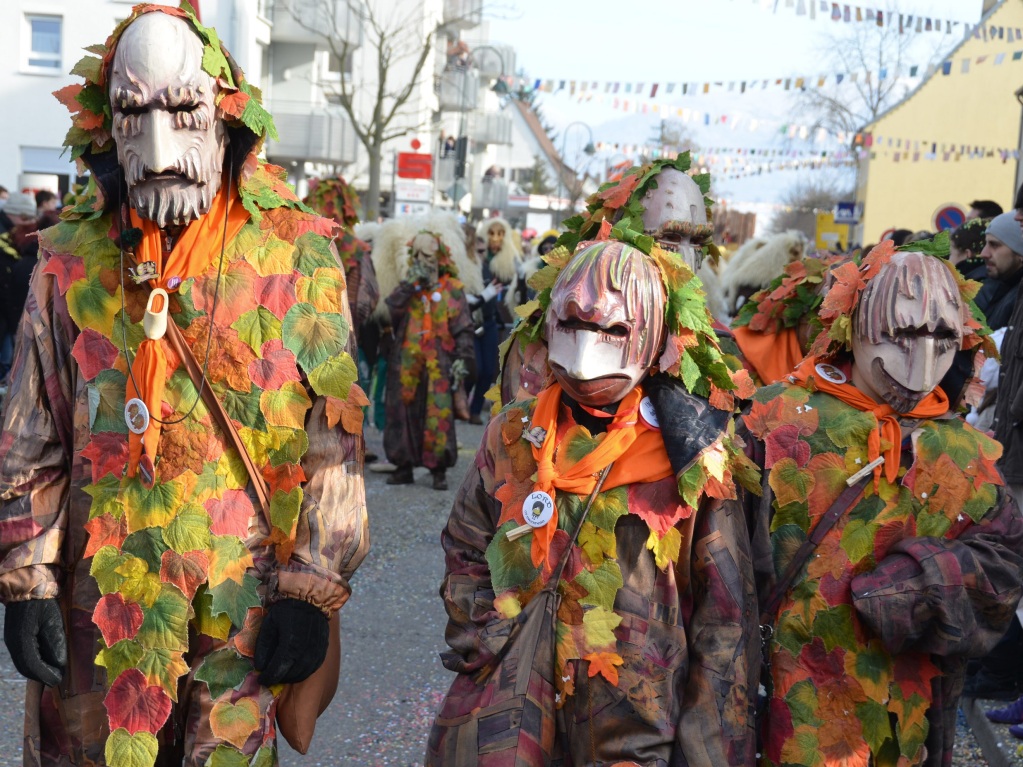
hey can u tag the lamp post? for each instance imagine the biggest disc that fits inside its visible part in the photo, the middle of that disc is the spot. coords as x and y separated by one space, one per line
589 149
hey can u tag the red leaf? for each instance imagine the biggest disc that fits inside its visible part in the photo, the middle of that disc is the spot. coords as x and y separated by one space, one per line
186 572
233 104
276 292
108 452
116 618
285 477
135 705
785 442
68 95
103 531
87 120
231 514
93 352
66 268
275 368
657 504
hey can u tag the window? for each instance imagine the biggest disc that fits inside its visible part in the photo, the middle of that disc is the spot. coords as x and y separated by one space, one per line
44 43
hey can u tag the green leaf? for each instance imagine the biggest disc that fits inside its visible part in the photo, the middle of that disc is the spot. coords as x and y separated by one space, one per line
106 402
94 98
932 525
285 508
88 67
846 426
265 757
601 585
214 63
92 306
335 376
105 497
234 599
293 445
313 253
229 558
219 626
858 539
227 756
104 567
313 337
608 507
151 508
256 327
165 625
790 483
126 750
223 670
802 702
243 407
163 667
122 656
835 627
511 563
147 545
189 530
792 633
258 120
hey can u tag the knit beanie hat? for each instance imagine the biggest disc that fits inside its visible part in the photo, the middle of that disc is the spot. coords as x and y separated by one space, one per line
1004 227
21 204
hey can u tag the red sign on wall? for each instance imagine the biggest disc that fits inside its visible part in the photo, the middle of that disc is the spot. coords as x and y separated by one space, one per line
415 165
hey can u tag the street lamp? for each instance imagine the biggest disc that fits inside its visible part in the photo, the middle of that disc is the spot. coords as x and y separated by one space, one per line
499 87
589 150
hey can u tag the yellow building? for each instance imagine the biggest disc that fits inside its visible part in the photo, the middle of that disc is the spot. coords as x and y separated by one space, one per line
920 159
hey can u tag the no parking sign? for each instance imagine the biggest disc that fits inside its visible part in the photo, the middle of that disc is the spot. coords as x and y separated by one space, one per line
949 216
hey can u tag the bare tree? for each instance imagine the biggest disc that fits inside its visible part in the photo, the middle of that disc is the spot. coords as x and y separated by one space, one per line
672 137
395 43
804 200
873 63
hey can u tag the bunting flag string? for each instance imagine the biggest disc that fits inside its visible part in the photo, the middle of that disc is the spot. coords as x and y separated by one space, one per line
906 23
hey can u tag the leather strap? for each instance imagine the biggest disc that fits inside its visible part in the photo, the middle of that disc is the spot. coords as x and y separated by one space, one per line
552 584
848 497
209 398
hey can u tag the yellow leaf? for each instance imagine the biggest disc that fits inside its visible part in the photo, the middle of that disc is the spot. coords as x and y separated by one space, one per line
666 548
234 722
507 605
596 543
229 558
287 406
599 625
139 585
526 310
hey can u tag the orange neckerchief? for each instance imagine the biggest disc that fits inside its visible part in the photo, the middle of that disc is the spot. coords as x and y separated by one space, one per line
933 405
636 450
196 248
772 355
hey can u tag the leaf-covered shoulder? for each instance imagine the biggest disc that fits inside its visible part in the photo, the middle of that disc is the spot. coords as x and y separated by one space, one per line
267 188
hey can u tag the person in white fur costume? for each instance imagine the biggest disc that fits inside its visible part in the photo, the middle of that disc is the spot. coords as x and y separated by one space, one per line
756 263
501 277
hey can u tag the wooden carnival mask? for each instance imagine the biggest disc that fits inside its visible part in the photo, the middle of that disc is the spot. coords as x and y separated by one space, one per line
673 210
170 139
605 324
907 328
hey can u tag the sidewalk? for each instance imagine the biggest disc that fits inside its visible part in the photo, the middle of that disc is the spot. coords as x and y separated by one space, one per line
1000 748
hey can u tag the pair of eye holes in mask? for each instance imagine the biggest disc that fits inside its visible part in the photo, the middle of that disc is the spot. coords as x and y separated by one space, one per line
616 331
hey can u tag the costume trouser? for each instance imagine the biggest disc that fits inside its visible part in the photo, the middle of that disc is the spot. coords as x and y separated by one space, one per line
379 395
67 726
486 364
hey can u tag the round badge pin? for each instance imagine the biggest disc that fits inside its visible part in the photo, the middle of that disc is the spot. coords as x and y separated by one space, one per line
537 509
648 414
436 296
136 415
830 373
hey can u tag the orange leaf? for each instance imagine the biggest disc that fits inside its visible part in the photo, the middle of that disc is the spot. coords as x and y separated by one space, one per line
68 96
105 531
604 663
233 104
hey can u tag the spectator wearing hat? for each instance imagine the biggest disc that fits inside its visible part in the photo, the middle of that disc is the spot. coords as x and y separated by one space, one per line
1003 256
18 248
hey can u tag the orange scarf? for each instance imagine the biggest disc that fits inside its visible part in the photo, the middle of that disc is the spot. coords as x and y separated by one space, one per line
888 429
636 450
772 355
196 248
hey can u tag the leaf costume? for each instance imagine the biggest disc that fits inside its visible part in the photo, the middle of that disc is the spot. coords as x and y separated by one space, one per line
866 664
145 576
432 328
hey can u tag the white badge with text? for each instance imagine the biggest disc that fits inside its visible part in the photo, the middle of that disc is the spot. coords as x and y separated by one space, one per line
648 414
537 509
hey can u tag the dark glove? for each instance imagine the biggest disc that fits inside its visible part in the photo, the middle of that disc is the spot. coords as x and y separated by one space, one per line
35 638
292 642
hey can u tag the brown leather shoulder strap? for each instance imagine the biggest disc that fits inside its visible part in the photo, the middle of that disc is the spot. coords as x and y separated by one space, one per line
209 398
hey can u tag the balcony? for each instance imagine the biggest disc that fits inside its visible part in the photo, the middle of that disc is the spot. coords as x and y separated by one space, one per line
310 22
310 133
492 128
458 90
494 61
463 14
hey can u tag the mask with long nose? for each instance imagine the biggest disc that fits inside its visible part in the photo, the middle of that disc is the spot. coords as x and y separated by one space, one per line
907 329
605 324
170 140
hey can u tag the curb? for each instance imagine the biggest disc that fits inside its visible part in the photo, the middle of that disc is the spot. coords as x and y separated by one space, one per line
999 747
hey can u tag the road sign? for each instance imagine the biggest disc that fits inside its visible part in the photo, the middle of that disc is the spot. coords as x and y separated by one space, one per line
949 216
414 165
411 208
845 213
413 191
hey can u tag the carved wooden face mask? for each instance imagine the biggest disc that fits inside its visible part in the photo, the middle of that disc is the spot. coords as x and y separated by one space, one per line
672 209
605 324
423 256
170 140
907 329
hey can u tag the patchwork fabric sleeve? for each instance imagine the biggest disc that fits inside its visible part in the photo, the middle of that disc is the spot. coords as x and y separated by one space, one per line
35 448
476 633
332 536
461 327
367 293
398 301
947 597
716 725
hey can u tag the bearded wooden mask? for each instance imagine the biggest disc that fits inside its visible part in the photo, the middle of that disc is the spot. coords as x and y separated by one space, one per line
422 256
605 324
170 140
672 209
907 329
